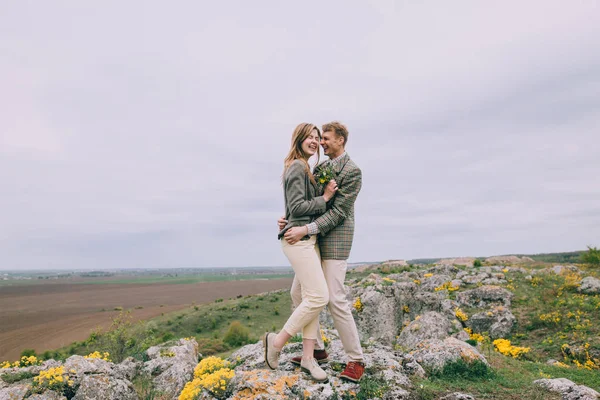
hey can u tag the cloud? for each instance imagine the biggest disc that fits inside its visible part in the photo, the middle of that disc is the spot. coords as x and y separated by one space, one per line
155 137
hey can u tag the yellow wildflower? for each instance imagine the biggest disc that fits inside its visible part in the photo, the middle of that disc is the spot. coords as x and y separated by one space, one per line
358 305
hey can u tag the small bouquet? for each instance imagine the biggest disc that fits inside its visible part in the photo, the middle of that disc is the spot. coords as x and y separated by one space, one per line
325 174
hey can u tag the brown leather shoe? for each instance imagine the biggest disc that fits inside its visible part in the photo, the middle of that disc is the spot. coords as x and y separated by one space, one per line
353 371
320 355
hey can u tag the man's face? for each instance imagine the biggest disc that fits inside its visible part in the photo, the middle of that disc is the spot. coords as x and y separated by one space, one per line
333 145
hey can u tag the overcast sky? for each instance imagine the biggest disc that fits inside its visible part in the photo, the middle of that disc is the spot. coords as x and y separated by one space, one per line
152 134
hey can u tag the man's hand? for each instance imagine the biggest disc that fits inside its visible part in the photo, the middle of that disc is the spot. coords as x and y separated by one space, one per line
294 234
282 222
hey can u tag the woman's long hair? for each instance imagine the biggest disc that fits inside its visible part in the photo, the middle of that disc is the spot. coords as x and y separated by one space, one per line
296 153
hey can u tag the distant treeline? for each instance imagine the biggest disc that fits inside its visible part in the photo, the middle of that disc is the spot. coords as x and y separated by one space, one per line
566 257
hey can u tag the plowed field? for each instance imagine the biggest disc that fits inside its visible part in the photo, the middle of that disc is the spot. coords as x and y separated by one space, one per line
49 316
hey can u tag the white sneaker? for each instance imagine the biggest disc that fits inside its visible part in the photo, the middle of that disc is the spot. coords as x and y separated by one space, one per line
271 353
311 366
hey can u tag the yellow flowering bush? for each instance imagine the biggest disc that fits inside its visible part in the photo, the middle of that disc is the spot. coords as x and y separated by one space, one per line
25 361
417 282
358 305
324 338
460 314
387 281
406 309
428 275
580 356
212 374
535 281
474 336
209 365
446 286
101 356
52 379
503 346
553 317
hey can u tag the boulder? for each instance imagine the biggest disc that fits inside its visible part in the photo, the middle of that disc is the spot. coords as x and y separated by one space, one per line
14 392
172 365
47 395
589 285
457 396
498 322
568 389
103 387
434 281
476 278
485 296
431 325
434 354
466 261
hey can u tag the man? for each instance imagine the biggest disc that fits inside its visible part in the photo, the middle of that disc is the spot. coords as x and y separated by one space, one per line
336 231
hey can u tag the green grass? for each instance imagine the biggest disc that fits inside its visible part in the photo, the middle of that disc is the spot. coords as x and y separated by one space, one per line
510 379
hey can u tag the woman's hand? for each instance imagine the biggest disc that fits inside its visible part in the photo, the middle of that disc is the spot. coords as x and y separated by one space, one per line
330 190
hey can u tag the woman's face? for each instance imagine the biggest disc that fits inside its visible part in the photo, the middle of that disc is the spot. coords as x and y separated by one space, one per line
310 145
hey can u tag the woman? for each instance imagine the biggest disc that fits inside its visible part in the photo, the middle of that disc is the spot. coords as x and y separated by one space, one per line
301 207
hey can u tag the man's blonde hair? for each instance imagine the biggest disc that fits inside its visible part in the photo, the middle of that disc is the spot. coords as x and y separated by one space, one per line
339 129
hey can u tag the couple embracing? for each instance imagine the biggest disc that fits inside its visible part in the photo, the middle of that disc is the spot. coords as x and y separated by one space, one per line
316 237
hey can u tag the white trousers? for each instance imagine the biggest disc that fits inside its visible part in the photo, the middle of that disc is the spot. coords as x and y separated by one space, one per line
305 259
339 307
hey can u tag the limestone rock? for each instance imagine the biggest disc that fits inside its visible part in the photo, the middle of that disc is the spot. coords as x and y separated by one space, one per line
431 325
498 322
457 396
568 389
563 269
172 366
434 354
47 395
509 260
15 392
477 278
466 261
589 285
103 387
435 281
485 296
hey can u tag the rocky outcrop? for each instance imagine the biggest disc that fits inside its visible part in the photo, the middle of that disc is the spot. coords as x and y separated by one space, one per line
254 381
498 322
568 389
485 296
433 354
170 367
431 325
14 392
458 396
105 387
589 285
508 260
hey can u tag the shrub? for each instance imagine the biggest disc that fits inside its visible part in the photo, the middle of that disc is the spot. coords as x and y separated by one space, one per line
237 334
28 353
373 387
461 369
19 376
592 256
477 263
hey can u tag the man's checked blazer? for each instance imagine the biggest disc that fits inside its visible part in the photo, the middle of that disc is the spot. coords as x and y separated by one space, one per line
336 226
